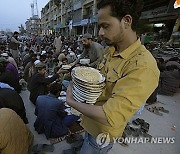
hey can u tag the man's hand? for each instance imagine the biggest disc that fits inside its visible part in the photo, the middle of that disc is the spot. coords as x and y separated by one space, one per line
62 71
72 64
91 111
69 95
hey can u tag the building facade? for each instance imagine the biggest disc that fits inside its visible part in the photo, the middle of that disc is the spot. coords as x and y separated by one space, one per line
76 17
33 26
72 17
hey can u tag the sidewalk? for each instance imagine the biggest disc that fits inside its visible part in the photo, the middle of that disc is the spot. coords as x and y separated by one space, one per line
160 126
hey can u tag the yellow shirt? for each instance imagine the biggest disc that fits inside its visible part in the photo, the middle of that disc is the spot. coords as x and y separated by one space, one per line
131 77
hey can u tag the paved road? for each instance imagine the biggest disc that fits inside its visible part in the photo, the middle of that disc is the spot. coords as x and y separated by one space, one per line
160 126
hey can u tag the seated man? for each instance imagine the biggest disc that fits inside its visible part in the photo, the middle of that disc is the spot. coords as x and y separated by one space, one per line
9 78
15 137
51 119
12 100
169 81
38 83
10 67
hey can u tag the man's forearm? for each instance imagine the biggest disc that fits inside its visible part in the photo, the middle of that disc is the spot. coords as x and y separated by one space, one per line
92 111
94 64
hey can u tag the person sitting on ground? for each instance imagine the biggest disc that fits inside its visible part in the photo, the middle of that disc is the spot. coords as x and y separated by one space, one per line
161 64
29 70
173 62
39 82
9 67
51 119
169 81
9 78
15 137
27 57
12 100
9 58
55 63
63 56
71 56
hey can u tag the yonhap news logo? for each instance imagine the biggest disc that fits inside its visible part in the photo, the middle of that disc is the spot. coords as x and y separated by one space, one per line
103 140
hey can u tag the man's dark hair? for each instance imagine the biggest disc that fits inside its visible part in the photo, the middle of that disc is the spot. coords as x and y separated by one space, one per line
174 59
171 67
120 8
16 33
55 88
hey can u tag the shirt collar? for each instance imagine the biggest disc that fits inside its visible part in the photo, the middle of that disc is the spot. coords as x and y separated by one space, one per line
125 53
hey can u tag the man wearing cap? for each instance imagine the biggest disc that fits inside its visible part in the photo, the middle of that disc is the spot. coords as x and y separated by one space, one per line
9 67
92 50
38 84
8 77
14 46
9 57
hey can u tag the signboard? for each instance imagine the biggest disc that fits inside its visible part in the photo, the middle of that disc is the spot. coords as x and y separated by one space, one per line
84 22
161 11
177 4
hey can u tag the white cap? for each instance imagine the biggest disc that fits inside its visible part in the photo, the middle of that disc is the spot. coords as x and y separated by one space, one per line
72 53
36 62
4 54
43 52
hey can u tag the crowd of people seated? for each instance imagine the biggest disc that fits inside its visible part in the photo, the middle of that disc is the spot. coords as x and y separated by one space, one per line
39 66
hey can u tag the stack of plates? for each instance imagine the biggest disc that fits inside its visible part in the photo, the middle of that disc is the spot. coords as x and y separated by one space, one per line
66 67
88 84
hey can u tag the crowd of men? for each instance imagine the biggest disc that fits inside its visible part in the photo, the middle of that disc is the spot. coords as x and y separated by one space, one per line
36 65
132 76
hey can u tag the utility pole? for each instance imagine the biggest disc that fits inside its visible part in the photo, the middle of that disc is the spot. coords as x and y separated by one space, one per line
36 6
32 9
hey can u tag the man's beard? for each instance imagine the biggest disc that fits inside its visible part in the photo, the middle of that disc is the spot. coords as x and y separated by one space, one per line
108 42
